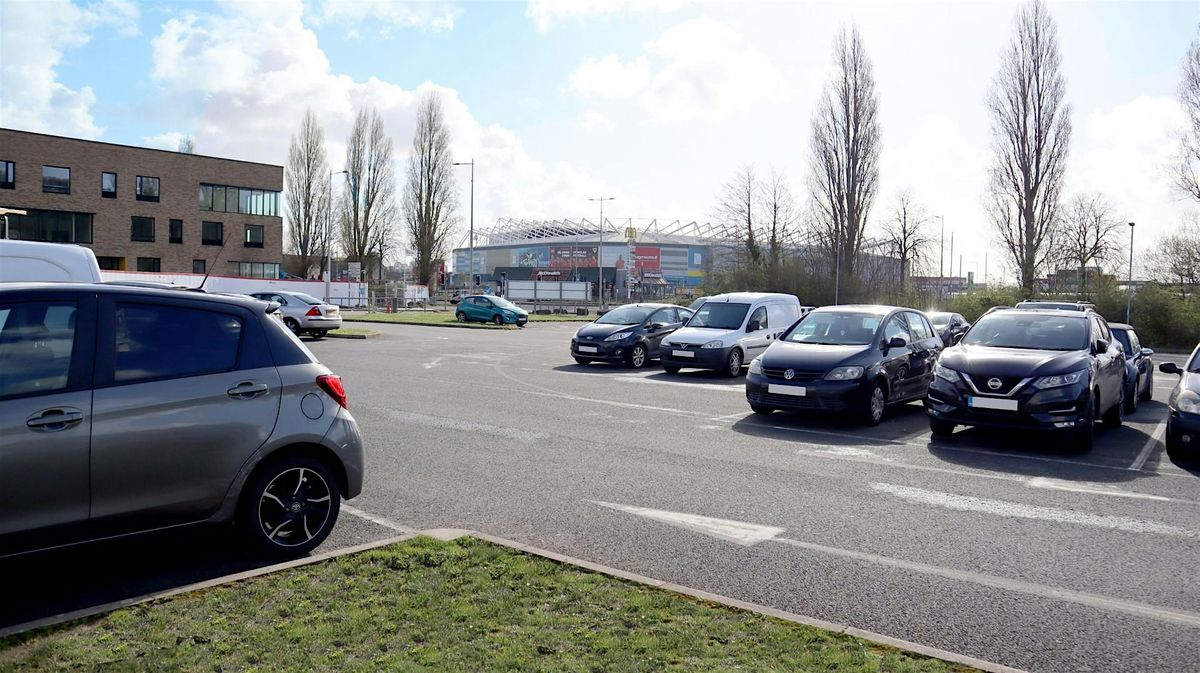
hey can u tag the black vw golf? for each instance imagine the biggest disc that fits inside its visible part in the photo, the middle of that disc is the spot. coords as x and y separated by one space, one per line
629 334
857 359
1041 369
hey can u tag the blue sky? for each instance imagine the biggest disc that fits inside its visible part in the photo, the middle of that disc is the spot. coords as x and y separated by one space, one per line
656 102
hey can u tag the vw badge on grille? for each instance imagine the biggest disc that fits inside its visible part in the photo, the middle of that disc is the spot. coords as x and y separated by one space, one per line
994 383
789 374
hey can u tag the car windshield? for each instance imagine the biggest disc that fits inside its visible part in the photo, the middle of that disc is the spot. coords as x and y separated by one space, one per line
939 319
503 303
307 298
1030 331
626 315
719 315
1123 339
835 328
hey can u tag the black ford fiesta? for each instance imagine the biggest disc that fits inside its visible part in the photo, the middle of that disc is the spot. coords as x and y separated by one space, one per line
856 359
1041 369
629 334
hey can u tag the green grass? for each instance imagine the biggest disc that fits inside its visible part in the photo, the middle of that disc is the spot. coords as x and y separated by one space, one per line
447 319
424 605
352 332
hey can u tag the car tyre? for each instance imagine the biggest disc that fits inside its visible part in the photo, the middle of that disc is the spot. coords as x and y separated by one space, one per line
1146 396
733 366
583 361
761 410
497 320
293 325
1115 416
460 316
876 403
1084 436
671 369
290 506
637 356
1132 396
941 429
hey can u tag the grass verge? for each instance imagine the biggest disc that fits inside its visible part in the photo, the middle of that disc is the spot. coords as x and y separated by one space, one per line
352 333
424 605
446 319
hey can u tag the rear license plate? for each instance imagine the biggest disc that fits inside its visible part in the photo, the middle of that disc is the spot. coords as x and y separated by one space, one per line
587 349
779 389
683 354
991 403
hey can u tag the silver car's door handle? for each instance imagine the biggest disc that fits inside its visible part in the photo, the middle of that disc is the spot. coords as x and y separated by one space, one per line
247 390
53 420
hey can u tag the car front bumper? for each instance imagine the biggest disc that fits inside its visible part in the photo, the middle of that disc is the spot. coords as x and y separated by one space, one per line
1062 408
818 395
606 351
1183 432
701 358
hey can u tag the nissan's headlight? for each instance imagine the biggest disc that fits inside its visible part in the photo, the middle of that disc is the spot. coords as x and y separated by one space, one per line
756 366
1188 402
715 343
844 374
946 374
665 344
619 336
1060 380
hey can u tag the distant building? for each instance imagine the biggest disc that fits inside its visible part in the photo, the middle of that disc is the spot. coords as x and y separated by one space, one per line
142 209
1068 280
943 284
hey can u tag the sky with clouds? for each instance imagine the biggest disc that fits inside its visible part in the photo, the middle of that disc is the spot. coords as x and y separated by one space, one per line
656 102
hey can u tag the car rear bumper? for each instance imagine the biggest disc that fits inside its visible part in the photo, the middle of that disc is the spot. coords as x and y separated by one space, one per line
344 439
700 358
818 395
321 322
1053 409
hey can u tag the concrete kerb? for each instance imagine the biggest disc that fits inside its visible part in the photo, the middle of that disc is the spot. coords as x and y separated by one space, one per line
448 534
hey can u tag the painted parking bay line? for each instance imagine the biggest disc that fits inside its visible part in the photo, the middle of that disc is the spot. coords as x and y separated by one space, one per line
749 534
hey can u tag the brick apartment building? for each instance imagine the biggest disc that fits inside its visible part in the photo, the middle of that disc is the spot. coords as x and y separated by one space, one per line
143 209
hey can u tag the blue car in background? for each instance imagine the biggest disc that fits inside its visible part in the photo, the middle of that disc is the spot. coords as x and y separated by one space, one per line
487 308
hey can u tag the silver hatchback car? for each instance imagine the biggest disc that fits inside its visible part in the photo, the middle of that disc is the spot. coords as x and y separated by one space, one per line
304 313
127 409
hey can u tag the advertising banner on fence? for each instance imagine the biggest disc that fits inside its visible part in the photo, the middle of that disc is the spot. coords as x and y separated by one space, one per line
572 256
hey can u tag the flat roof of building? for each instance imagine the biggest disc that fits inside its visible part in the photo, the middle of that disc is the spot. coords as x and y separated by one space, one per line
138 147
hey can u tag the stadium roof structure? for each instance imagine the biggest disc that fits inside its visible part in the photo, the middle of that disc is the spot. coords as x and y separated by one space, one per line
509 231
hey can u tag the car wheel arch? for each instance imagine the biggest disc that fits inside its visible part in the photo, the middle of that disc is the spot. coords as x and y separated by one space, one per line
316 452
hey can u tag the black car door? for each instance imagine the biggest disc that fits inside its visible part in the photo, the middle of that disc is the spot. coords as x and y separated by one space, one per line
658 325
925 348
897 361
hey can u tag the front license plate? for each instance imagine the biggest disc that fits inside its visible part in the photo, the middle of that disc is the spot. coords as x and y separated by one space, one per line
683 354
587 349
991 403
779 389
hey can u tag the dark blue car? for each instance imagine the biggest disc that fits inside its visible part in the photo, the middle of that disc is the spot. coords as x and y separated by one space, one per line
629 334
1183 411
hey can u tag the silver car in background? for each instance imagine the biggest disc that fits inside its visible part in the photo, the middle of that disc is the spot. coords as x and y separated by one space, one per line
126 409
304 313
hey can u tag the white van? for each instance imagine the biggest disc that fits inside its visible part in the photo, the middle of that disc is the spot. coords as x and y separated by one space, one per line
47 262
729 330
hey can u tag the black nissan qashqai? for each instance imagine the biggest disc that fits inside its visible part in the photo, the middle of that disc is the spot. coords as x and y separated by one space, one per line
1039 369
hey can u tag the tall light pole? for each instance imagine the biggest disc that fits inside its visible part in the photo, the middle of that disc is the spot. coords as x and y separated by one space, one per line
471 235
329 235
1129 283
600 252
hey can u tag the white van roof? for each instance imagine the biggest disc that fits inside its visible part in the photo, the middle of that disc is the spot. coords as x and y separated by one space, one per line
752 297
48 262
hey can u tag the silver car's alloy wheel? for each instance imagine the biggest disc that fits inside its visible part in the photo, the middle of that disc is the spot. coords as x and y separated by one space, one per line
877 404
637 357
294 507
735 362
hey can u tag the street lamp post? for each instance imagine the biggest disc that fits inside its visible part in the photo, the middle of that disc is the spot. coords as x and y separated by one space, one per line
941 253
329 235
1129 282
600 251
471 235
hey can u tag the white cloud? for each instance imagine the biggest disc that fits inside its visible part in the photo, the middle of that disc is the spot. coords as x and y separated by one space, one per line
595 121
698 70
251 79
165 141
425 14
545 13
35 37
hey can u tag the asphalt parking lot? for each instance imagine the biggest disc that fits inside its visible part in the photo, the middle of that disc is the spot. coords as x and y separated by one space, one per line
1004 547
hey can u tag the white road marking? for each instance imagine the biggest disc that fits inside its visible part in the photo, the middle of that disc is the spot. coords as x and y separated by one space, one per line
965 503
738 532
1090 488
534 389
443 423
644 378
1151 444
748 534
844 451
386 523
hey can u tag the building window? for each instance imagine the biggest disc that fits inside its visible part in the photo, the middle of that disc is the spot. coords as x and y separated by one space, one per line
254 269
254 236
226 199
212 233
142 229
108 185
8 175
51 225
148 264
56 179
147 188
198 266
111 263
176 232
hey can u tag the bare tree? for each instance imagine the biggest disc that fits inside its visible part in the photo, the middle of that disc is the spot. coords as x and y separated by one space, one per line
307 194
778 217
1086 234
368 205
186 145
1176 257
1187 170
904 234
736 207
430 196
1031 132
845 148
